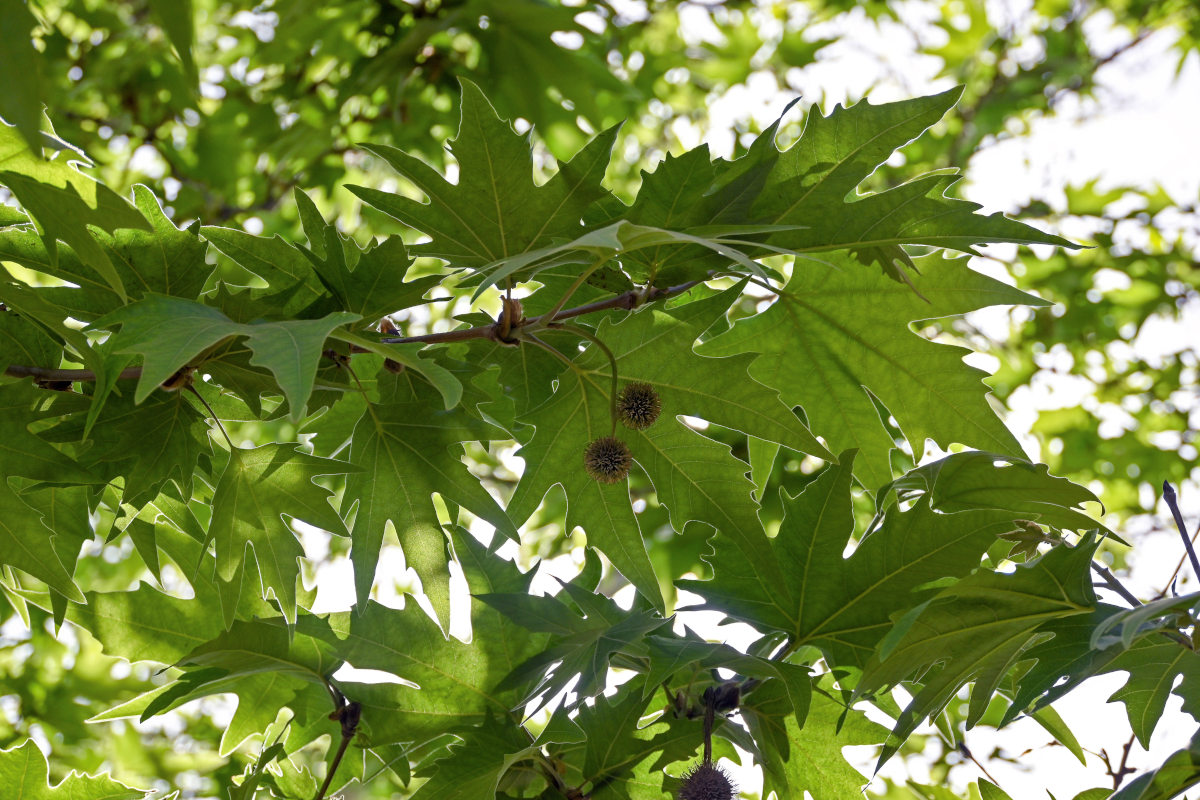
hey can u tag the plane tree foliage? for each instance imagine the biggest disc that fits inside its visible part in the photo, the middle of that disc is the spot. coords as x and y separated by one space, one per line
218 391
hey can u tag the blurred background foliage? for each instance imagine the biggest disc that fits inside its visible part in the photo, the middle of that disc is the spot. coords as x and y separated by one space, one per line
223 107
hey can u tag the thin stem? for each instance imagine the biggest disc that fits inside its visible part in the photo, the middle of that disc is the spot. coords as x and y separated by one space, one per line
1169 496
44 374
626 300
1179 566
531 337
212 414
337 760
348 714
966 751
709 716
549 317
1111 582
584 333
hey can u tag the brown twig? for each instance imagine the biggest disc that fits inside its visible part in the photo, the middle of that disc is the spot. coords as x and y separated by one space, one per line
46 374
348 715
1173 504
627 300
1111 582
1118 774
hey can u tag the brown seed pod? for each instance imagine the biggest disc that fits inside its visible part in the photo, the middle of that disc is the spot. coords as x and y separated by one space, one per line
607 459
638 405
706 782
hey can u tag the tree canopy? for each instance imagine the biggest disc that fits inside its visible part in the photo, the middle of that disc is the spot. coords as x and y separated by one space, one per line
385 384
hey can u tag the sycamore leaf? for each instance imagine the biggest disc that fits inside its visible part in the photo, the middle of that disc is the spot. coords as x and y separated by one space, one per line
617 744
974 479
839 334
1154 668
450 684
844 605
173 434
170 332
26 454
695 477
1128 625
580 645
25 776
670 654
1154 661
798 758
495 210
163 260
64 202
364 281
620 239
148 625
26 543
257 489
261 647
813 184
404 452
293 287
475 766
23 342
976 629
408 355
20 72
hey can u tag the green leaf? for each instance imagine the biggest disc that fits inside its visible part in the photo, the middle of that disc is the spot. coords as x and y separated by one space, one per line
844 605
176 16
404 452
809 759
163 260
20 72
495 210
839 335
476 765
408 355
976 629
25 543
172 432
365 281
1154 669
23 342
974 479
294 288
581 645
64 202
1128 625
617 744
257 489
669 654
25 453
169 333
814 184
24 776
990 791
695 477
261 647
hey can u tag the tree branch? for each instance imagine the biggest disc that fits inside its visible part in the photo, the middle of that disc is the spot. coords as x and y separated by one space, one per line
1111 582
627 300
1169 496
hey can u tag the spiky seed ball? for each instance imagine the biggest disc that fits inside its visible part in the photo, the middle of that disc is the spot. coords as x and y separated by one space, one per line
607 459
706 782
638 405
